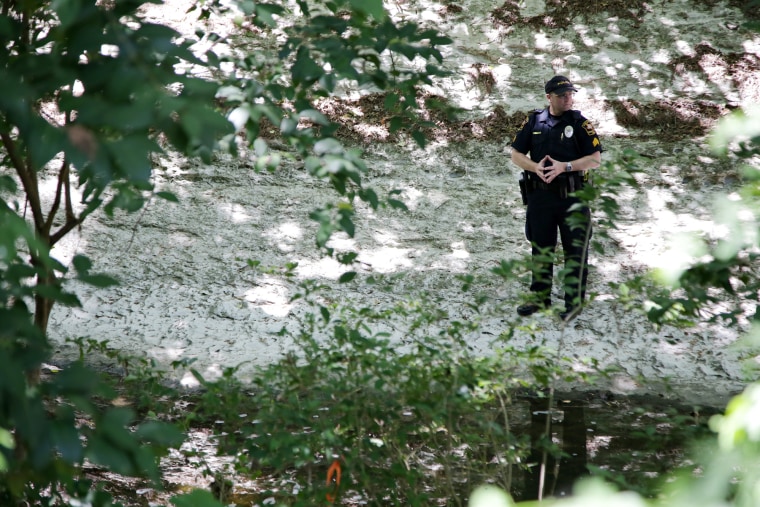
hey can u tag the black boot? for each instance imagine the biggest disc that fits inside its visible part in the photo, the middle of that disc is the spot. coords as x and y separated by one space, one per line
531 308
570 313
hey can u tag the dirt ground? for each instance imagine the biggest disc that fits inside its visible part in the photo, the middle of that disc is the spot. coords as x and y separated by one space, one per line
654 78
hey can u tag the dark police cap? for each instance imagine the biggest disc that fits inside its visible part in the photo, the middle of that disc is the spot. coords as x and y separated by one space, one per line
559 84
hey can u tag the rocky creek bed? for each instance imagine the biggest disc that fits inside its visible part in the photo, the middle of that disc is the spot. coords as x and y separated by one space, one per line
655 77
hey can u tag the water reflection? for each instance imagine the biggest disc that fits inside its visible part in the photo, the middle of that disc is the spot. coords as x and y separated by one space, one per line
558 449
631 439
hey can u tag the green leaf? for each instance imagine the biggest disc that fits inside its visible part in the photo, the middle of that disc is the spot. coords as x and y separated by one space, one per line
288 126
67 439
305 70
68 12
167 196
8 184
315 116
160 433
323 234
390 101
419 137
76 379
328 146
397 123
347 224
396 204
239 116
81 263
196 498
100 281
369 196
54 293
130 157
347 277
6 439
744 124
103 452
201 126
312 164
266 13
44 142
347 257
372 7
126 198
231 94
490 496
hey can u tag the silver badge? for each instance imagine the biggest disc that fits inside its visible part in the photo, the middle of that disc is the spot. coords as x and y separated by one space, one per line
569 131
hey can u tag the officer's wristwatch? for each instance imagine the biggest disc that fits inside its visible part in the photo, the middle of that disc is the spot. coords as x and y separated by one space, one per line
569 167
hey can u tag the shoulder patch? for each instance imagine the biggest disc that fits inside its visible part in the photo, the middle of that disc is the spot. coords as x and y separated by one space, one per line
589 128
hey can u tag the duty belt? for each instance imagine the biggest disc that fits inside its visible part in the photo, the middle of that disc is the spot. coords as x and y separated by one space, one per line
560 186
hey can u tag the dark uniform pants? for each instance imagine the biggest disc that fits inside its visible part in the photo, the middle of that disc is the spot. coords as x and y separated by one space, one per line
548 212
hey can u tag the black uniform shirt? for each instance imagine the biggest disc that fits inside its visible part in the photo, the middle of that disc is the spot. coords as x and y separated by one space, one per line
565 138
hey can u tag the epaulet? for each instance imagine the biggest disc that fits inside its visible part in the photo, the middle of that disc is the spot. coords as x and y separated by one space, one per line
536 113
577 114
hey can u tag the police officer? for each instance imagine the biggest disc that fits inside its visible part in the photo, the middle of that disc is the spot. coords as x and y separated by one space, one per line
555 147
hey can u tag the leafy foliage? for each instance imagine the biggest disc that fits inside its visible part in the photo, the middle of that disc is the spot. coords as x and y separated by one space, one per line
408 417
61 423
718 278
324 49
92 91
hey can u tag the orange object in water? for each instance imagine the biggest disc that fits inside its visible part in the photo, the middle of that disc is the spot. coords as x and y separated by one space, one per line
333 474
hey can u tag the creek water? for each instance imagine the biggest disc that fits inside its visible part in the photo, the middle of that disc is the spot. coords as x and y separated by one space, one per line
634 441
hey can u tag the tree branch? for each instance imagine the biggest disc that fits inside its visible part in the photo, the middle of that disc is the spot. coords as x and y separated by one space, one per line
62 176
72 221
28 179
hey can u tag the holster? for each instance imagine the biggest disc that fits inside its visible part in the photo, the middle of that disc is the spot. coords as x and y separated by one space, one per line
577 181
523 181
573 183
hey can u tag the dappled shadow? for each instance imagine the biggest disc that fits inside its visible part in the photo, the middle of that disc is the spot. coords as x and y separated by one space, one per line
366 121
560 13
668 120
741 70
715 80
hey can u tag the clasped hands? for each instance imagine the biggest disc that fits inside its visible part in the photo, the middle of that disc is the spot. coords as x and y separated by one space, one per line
548 169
